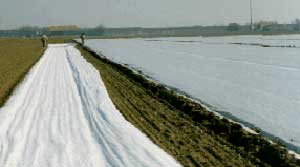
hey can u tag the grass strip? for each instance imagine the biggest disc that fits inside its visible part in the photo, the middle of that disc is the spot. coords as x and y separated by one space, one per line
17 56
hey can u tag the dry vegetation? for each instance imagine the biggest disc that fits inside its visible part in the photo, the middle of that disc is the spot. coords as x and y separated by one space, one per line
194 136
16 58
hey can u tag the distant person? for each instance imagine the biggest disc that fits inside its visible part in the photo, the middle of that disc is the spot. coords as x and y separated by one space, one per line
82 36
44 40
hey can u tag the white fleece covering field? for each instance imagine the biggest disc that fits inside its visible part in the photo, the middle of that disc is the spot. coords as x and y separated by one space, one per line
259 85
275 41
61 116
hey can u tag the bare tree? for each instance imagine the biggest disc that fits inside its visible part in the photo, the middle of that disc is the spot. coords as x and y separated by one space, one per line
99 28
296 23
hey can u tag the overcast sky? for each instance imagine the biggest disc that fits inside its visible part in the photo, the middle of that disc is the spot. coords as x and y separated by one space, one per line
144 13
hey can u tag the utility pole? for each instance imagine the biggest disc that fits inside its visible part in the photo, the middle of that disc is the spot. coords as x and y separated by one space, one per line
251 11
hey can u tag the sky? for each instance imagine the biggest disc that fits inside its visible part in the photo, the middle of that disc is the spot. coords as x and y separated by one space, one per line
142 13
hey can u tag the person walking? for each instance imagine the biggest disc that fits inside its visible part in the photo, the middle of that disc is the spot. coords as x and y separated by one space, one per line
44 40
82 36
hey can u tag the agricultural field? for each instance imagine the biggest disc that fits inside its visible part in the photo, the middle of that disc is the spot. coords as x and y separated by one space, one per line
292 41
148 84
189 142
184 129
74 103
16 58
256 85
61 116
